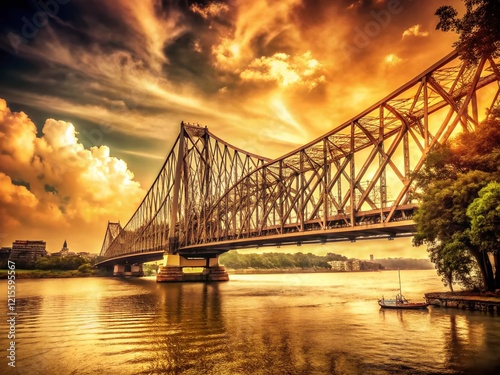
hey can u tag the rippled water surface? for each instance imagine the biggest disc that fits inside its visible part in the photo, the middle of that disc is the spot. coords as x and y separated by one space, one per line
255 324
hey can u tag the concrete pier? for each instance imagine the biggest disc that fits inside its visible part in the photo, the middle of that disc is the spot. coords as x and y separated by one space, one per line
122 270
172 269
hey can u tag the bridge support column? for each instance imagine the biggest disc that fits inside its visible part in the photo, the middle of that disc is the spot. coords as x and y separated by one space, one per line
119 270
171 271
136 270
215 272
128 270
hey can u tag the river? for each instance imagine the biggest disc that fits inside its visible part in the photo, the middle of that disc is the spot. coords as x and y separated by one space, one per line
324 323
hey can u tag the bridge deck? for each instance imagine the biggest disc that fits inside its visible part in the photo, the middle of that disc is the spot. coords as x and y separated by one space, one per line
362 232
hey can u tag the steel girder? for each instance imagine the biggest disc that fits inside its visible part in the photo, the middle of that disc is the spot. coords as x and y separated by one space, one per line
209 193
199 169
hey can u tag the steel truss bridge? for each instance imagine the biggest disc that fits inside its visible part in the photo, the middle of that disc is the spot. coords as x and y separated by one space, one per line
354 182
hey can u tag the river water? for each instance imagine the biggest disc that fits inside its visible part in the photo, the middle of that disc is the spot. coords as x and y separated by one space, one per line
326 323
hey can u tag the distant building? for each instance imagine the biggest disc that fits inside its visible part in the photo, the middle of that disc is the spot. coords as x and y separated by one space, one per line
345 265
371 257
338 265
64 251
25 253
4 256
354 265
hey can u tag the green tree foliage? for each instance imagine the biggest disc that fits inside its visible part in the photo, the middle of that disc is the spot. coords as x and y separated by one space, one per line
478 30
235 260
85 268
60 263
451 180
484 213
455 265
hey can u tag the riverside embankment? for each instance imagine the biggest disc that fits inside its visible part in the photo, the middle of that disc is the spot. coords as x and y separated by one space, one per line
474 301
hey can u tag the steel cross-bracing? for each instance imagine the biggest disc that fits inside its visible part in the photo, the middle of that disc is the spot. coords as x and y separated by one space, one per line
199 169
354 182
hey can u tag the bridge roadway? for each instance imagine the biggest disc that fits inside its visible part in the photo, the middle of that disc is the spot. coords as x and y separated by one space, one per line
404 228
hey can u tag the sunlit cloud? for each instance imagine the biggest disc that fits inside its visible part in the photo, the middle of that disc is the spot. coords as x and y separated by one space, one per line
213 9
285 70
392 59
266 76
415 31
256 20
53 181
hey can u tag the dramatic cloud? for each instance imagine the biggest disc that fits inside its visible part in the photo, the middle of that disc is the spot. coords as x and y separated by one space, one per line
257 26
267 76
53 183
211 10
415 31
285 70
392 59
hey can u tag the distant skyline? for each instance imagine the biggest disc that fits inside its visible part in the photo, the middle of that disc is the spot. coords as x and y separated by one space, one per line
92 94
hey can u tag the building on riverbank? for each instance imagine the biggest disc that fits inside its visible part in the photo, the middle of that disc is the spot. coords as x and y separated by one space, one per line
4 256
345 265
25 253
64 252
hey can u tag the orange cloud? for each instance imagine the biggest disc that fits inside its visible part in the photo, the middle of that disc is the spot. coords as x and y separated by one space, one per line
211 10
415 31
53 182
136 69
286 70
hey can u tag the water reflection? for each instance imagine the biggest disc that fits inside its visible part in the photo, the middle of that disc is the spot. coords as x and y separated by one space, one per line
312 324
467 343
189 334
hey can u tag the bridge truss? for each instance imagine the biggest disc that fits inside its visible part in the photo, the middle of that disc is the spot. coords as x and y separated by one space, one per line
353 182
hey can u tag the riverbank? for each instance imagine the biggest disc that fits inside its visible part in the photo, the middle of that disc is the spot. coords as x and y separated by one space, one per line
259 271
474 301
49 274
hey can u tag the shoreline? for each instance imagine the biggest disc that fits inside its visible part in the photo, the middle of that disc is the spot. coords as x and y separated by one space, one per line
45 274
255 271
48 274
466 300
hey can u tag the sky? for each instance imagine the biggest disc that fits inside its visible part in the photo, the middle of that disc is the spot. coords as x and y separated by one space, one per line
92 94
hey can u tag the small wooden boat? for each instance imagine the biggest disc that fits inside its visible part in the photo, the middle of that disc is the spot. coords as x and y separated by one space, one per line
401 302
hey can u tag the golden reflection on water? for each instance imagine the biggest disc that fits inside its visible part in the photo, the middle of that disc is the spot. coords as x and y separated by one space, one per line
254 324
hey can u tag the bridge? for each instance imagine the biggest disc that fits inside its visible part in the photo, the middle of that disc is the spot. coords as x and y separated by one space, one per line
354 182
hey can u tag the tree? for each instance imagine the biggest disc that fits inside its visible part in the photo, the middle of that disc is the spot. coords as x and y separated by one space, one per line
484 213
450 181
478 29
455 264
443 225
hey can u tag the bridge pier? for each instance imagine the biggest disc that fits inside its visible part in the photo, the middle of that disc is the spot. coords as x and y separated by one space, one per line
172 270
122 270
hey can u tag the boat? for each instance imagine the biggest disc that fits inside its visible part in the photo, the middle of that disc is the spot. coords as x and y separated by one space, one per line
400 302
